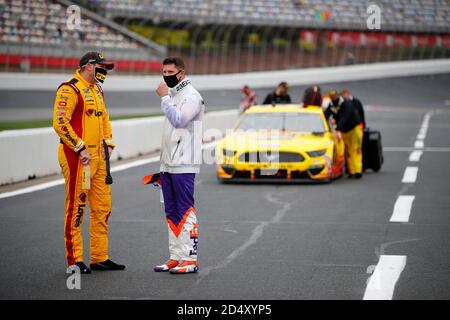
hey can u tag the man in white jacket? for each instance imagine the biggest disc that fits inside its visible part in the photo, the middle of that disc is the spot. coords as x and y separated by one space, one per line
181 155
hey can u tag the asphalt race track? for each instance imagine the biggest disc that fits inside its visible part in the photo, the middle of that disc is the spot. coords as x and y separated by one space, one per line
265 241
431 90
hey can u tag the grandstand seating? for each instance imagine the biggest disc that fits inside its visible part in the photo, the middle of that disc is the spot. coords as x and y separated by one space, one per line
34 35
401 15
44 22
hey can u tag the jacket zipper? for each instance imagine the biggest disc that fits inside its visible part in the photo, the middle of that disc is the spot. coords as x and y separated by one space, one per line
175 151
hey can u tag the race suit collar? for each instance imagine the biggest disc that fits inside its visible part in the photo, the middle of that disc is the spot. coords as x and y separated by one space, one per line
179 87
80 78
341 101
334 108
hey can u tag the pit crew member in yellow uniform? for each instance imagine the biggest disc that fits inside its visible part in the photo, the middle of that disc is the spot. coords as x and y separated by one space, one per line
349 123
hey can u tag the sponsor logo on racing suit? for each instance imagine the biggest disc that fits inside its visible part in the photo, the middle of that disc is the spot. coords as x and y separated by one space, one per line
194 238
183 84
69 137
89 112
79 216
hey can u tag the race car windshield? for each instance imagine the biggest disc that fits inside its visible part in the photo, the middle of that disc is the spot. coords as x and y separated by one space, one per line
287 121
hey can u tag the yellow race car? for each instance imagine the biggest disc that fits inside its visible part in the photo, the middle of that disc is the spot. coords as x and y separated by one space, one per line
286 143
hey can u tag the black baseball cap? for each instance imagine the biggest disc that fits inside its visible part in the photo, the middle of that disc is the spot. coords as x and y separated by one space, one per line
95 57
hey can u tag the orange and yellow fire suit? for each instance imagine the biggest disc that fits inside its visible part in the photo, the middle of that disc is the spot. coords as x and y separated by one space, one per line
81 120
353 148
348 121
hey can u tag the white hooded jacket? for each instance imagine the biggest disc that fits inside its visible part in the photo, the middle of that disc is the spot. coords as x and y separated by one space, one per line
181 147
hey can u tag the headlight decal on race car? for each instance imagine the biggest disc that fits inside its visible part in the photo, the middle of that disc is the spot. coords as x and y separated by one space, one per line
228 153
317 153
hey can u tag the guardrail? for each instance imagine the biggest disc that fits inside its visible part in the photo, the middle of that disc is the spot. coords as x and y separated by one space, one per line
33 153
21 81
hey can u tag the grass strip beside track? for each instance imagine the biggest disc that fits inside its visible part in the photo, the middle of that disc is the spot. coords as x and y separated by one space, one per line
31 124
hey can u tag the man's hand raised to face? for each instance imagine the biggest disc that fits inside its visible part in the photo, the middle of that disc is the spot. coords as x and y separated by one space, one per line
162 89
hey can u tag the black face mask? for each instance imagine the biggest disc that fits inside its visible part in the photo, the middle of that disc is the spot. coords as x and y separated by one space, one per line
172 80
100 74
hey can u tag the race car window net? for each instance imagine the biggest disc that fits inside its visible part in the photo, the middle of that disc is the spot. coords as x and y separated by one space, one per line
284 121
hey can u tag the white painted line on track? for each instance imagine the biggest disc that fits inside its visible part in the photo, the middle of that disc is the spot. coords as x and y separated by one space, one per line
437 149
35 188
424 127
427 149
419 144
421 136
415 155
410 175
381 284
120 167
423 131
402 209
397 149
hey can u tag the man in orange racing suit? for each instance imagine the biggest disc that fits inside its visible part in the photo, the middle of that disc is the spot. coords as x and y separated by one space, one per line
81 120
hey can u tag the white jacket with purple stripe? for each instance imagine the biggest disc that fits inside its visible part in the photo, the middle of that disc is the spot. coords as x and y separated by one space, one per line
181 147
